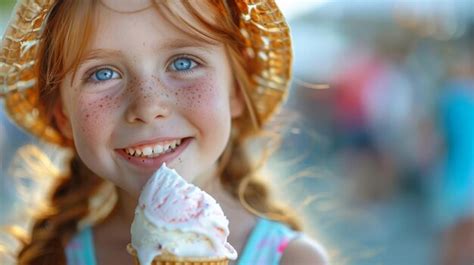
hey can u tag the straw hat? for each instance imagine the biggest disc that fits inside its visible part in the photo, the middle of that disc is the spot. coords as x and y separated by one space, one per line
264 33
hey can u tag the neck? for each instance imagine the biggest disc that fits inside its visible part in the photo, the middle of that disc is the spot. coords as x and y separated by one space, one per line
115 230
125 210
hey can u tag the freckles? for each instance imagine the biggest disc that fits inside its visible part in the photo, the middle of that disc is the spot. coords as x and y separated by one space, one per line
148 90
157 84
88 119
202 95
203 102
131 86
94 113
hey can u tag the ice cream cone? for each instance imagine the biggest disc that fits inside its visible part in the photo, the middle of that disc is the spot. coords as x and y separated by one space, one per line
174 260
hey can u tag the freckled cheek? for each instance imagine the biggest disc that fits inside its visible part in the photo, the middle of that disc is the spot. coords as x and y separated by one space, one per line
94 116
203 97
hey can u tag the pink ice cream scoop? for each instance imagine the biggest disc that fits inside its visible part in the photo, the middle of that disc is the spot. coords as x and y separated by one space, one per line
174 217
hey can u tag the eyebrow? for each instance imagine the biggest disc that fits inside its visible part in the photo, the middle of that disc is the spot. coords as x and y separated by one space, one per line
103 53
187 43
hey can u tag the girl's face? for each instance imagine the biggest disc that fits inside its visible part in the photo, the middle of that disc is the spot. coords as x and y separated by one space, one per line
148 93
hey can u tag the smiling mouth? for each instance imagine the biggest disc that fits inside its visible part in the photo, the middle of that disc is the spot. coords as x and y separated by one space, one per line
153 150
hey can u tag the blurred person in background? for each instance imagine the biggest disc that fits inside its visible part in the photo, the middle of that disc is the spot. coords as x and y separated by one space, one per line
455 193
375 117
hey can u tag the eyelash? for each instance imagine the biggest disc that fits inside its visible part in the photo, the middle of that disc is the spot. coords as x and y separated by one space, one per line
184 56
88 76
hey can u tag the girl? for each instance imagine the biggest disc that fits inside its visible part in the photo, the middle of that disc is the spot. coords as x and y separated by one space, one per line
129 85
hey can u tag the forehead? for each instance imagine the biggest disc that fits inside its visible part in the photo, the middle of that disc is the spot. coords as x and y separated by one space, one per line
150 22
126 6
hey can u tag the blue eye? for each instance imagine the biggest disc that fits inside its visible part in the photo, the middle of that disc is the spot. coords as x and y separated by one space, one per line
183 64
104 74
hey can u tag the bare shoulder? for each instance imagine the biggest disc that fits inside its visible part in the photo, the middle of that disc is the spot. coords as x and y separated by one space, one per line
304 251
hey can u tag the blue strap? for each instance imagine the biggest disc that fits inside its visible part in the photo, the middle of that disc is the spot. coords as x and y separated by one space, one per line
257 232
80 250
266 243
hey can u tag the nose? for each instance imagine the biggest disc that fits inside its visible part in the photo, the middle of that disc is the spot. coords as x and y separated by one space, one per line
147 104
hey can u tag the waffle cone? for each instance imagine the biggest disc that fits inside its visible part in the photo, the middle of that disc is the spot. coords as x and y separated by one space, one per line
174 260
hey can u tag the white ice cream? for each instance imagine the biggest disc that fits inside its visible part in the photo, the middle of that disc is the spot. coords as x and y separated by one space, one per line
175 217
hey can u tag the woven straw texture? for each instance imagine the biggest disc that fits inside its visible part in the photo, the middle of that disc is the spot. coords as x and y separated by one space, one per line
263 30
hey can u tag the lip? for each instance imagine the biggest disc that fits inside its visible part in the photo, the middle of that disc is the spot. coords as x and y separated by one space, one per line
154 163
153 142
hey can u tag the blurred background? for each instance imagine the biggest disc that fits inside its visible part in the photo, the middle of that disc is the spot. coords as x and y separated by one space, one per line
378 153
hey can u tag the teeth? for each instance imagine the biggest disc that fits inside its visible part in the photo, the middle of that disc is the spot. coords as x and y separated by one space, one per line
157 149
152 151
167 147
147 151
130 151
